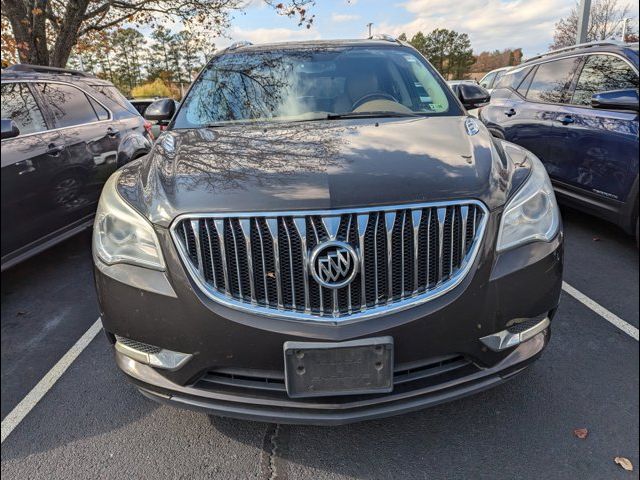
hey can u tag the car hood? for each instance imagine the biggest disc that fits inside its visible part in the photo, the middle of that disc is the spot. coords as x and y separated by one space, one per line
316 165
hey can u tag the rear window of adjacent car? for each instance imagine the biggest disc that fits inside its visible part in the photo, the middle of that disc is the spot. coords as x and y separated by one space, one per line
487 80
512 78
602 73
19 105
552 79
69 105
113 94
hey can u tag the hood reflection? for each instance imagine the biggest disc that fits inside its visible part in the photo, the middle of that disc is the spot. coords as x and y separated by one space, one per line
314 165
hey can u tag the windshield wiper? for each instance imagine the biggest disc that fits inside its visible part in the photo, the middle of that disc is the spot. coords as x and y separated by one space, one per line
373 114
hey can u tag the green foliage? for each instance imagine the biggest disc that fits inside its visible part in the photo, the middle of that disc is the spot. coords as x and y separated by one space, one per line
448 51
125 57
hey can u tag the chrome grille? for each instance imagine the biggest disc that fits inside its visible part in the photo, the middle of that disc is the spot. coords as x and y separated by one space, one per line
259 262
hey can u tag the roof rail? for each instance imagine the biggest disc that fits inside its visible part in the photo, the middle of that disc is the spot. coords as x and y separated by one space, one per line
241 43
596 43
384 36
25 67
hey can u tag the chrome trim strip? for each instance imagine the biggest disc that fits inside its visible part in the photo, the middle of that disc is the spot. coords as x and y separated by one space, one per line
272 226
219 224
442 217
164 359
195 228
389 221
505 339
363 222
301 227
245 226
416 219
373 312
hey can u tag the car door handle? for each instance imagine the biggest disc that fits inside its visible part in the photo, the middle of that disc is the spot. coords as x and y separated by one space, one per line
510 113
565 119
28 167
112 132
54 150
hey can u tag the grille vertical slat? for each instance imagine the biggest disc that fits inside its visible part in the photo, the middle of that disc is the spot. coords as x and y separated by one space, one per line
301 231
363 223
263 261
389 222
245 226
442 215
416 221
219 223
272 227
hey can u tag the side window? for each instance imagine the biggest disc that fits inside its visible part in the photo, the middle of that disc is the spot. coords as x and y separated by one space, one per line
487 80
523 88
602 73
69 105
512 79
101 112
499 75
19 105
551 80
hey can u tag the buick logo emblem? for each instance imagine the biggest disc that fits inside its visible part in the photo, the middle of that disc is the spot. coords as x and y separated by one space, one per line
334 264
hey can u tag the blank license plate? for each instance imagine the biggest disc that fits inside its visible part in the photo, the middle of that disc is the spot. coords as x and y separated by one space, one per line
314 369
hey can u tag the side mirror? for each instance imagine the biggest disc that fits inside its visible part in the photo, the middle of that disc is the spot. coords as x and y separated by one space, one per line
473 96
161 110
9 128
616 100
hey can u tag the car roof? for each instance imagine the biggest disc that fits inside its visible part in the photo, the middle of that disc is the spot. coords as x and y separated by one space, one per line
606 46
309 44
36 72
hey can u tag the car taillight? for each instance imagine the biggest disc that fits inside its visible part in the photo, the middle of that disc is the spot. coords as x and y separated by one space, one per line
147 127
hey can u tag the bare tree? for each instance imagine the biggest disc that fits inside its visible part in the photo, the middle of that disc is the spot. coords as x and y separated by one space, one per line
45 31
605 21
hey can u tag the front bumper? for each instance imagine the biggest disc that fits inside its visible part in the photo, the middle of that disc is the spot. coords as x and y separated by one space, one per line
366 407
167 310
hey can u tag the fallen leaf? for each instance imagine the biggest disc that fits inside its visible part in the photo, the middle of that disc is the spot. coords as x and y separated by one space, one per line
271 275
581 433
596 239
624 463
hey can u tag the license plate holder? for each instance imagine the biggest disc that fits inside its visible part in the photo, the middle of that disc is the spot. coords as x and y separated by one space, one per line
314 369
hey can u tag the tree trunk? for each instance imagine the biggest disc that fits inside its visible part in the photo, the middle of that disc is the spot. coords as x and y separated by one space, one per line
68 34
28 25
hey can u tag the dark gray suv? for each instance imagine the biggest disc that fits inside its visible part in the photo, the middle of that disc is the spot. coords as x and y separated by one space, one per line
64 133
316 240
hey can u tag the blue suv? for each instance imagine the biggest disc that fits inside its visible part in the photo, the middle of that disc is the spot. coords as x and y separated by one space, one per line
577 110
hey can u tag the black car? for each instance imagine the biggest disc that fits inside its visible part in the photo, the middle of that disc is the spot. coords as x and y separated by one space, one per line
63 134
315 239
577 110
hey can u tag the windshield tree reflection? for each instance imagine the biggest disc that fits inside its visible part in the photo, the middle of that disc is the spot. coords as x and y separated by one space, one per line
304 84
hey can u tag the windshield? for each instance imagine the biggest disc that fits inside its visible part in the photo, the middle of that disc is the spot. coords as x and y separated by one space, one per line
289 85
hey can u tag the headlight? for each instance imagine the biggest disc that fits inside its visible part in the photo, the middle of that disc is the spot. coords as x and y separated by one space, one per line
122 235
532 214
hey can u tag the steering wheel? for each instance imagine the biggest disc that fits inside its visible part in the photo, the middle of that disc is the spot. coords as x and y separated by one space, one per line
373 96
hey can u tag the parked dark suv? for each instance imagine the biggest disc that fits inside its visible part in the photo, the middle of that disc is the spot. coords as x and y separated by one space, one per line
315 239
577 110
63 134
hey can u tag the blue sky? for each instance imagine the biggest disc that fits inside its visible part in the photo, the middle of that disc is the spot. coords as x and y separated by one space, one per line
491 24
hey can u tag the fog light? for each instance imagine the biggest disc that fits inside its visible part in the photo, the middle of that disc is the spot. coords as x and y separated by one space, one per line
516 334
150 354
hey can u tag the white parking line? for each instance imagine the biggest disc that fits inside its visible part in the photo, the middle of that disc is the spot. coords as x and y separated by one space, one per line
21 410
600 310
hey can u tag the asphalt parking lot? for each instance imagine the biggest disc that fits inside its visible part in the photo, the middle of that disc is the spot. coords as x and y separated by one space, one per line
93 424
